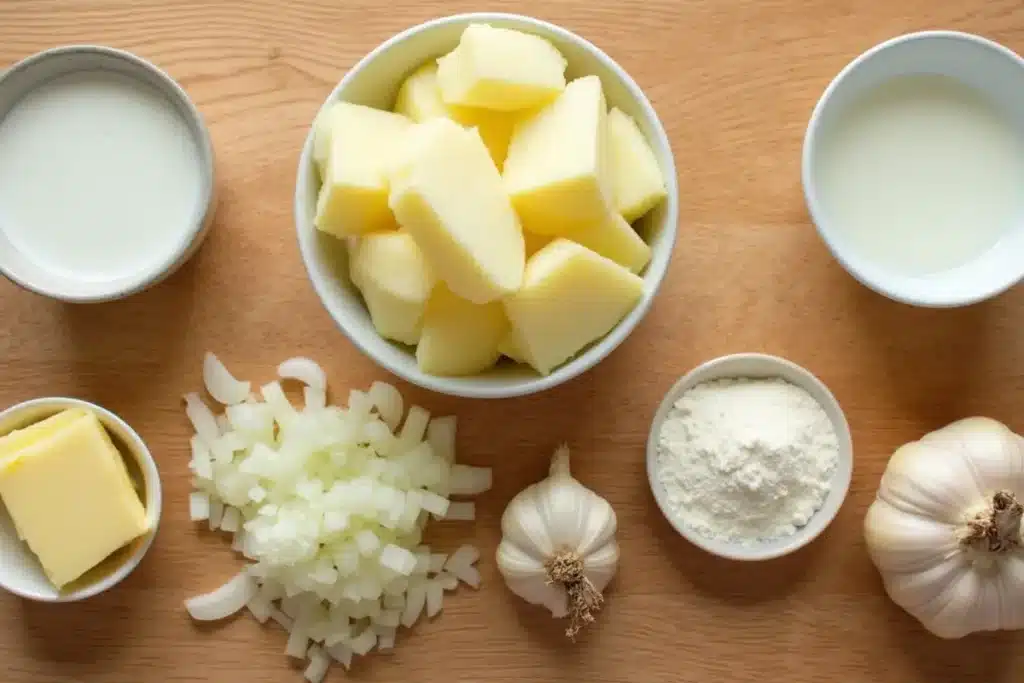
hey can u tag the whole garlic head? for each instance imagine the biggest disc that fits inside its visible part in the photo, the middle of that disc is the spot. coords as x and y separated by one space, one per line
945 529
558 547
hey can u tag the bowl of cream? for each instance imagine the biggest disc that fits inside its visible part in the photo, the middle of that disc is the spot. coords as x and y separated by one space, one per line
913 164
106 174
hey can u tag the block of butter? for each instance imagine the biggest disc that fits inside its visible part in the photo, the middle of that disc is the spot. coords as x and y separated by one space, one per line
68 493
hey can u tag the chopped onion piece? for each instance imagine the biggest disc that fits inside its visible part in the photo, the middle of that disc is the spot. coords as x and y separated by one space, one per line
231 521
367 542
341 653
437 561
251 419
388 401
260 607
201 417
414 601
465 556
285 621
435 596
298 642
238 542
274 395
460 512
435 504
470 481
441 437
314 398
395 602
422 563
467 575
216 513
448 581
198 506
364 642
414 428
303 370
202 465
224 601
398 560
387 617
386 641
220 383
319 662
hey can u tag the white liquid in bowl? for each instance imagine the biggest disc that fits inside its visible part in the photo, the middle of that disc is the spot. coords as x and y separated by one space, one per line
920 175
100 177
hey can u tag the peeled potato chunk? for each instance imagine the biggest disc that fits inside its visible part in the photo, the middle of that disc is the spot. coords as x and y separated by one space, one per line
636 177
501 69
361 145
395 282
419 98
616 239
556 170
459 337
571 297
448 195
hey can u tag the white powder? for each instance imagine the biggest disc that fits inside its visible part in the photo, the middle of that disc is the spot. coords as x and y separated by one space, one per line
746 460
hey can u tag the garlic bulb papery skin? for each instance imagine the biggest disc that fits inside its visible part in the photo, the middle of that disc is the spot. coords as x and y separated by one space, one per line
945 529
558 545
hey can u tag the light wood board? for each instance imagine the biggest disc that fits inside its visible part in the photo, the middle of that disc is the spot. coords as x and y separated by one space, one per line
734 82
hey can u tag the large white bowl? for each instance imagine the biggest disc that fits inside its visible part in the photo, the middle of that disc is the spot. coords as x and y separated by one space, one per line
757 365
374 81
20 571
991 69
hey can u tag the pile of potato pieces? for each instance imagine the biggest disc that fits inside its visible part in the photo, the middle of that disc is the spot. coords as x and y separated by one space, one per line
490 213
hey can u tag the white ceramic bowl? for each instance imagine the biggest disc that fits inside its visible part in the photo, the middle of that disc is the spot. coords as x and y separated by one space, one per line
374 81
992 70
38 276
757 365
20 572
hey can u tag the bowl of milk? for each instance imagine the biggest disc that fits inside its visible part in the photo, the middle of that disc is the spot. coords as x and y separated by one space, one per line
913 168
106 174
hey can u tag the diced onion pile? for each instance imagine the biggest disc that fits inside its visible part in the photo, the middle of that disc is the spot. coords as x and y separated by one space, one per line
329 504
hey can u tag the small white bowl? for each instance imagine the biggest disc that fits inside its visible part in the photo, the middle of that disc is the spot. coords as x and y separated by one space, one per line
989 68
28 271
757 365
374 81
20 571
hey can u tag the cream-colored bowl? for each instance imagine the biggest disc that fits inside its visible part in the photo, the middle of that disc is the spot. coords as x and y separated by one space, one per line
374 81
757 365
20 571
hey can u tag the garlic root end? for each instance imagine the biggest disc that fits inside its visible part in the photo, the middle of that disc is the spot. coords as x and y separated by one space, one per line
996 529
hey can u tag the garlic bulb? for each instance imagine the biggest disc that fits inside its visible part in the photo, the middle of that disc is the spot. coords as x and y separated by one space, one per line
945 529
558 545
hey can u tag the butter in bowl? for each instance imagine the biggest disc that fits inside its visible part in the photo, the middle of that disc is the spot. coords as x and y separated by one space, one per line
80 498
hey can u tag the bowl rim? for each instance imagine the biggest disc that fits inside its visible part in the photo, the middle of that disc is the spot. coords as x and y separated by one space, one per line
881 285
654 276
193 233
153 485
822 517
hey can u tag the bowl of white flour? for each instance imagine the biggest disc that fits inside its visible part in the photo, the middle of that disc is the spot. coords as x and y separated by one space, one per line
749 456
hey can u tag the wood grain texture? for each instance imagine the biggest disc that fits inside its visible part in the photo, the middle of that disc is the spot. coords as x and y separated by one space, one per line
734 82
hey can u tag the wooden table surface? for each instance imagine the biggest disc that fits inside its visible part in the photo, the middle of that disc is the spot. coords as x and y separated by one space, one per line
734 82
